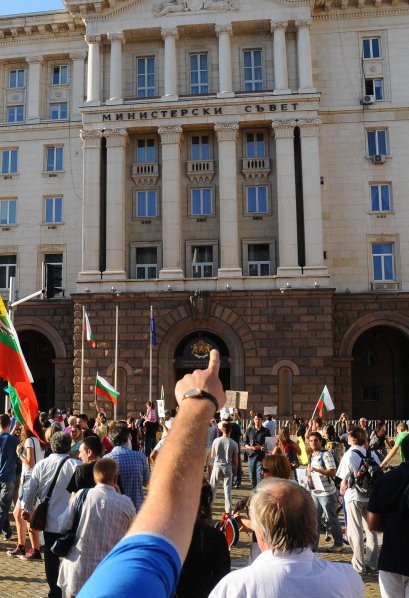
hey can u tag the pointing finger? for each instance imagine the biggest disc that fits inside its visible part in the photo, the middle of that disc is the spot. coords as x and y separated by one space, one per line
214 362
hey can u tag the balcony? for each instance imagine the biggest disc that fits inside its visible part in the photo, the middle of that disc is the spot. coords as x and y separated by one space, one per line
200 171
145 173
256 168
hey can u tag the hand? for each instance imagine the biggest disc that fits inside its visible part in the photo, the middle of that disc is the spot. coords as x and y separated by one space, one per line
207 380
26 515
310 469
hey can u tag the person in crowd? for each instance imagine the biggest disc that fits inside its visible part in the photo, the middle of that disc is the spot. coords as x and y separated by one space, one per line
379 439
133 467
301 428
53 415
332 443
101 425
388 512
342 424
270 424
76 439
356 504
237 416
8 463
289 448
236 435
314 425
344 439
90 452
401 434
48 434
224 452
166 423
43 417
208 558
150 429
254 444
70 422
365 426
151 415
40 482
283 517
212 434
30 451
83 421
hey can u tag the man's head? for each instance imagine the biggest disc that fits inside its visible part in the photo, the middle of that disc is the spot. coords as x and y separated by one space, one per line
82 420
258 420
357 435
283 516
52 413
106 472
315 441
118 435
90 449
60 443
402 427
269 417
5 422
362 423
226 427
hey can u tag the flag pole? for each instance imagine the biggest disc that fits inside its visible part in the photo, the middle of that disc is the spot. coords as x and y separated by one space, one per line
82 361
11 317
150 353
116 354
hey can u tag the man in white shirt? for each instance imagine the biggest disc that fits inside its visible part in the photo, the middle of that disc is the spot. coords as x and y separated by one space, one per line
283 517
270 424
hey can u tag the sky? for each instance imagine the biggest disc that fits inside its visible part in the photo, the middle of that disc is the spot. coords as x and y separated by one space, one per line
23 6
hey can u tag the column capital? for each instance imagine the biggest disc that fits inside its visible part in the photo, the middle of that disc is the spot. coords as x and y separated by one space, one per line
283 128
78 55
91 138
116 137
220 29
92 39
303 24
226 131
34 59
172 33
309 127
170 134
278 25
116 37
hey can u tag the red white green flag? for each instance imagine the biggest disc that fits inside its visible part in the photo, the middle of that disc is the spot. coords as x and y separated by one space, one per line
14 369
88 332
325 402
104 389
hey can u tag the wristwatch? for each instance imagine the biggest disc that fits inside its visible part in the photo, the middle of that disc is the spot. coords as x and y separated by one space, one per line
197 393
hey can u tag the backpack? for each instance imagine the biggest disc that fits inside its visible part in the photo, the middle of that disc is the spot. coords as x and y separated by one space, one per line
228 526
367 474
333 447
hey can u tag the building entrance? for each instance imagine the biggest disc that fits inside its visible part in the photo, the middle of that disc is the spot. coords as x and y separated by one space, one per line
39 354
192 353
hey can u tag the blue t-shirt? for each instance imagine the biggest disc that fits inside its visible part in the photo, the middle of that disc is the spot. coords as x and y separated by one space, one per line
8 457
145 565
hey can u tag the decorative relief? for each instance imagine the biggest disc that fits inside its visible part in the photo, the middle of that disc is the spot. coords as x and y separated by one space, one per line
116 137
91 138
303 24
219 29
170 134
278 25
284 128
309 122
172 33
92 39
116 37
227 131
183 6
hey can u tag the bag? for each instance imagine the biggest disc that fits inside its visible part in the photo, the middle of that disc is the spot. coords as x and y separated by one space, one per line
63 544
367 473
39 517
375 442
228 526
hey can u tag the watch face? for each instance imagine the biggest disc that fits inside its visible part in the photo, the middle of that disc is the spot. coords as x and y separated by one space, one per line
195 392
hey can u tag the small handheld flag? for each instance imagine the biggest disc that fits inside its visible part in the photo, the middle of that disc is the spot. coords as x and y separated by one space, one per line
88 332
104 389
325 402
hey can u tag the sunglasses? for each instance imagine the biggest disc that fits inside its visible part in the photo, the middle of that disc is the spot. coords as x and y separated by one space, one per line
265 470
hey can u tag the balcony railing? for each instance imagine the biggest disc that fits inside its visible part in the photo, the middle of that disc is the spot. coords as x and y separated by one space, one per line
200 171
256 168
146 173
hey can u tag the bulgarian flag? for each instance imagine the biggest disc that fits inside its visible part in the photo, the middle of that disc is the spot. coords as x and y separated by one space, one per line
325 402
104 389
14 369
88 332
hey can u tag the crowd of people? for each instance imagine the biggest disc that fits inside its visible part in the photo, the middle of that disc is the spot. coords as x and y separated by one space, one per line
134 495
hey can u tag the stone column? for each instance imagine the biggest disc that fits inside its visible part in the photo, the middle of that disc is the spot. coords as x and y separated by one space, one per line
115 71
171 72
280 58
287 210
115 216
91 140
170 138
305 82
227 134
33 91
224 33
93 93
314 258
77 81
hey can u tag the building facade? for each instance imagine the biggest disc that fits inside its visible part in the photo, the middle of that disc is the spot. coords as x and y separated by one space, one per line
239 166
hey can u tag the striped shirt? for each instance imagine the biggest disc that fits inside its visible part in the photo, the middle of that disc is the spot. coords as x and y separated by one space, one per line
324 460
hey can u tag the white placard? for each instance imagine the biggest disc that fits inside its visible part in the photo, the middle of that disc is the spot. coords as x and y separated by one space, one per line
236 398
316 478
161 408
301 476
270 410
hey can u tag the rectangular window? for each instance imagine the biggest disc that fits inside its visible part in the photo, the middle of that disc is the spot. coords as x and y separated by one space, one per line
377 142
255 145
146 262
15 114
7 270
146 204
60 75
202 261
17 79
53 210
145 73
9 161
371 47
259 259
201 202
381 197
199 78
257 200
253 70
374 87
383 261
145 151
53 266
55 156
200 147
8 211
59 111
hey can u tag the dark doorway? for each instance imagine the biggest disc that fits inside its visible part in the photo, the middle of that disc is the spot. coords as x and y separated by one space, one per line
380 374
39 354
192 353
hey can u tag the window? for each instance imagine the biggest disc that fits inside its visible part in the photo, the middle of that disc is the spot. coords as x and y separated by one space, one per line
59 111
9 161
146 262
200 147
145 151
145 72
374 87
17 79
53 267
199 78
371 47
59 75
377 142
15 114
55 157
52 210
8 211
383 261
259 259
255 145
201 202
257 202
146 204
253 71
7 270
380 197
202 261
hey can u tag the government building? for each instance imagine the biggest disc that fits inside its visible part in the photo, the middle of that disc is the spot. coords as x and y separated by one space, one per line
240 166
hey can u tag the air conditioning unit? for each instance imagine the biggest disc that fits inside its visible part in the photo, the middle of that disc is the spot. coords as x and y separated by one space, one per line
378 159
368 100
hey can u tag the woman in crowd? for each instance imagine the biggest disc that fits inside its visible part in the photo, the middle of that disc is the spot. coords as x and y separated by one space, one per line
379 439
76 439
332 443
287 447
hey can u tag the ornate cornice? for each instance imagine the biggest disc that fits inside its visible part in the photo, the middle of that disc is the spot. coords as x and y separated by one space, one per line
353 13
34 59
92 39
